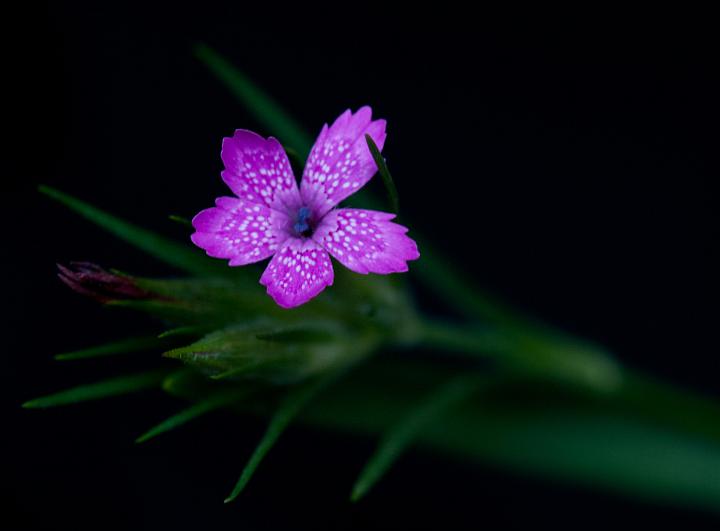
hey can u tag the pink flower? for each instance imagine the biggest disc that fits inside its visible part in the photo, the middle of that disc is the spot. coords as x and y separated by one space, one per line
301 228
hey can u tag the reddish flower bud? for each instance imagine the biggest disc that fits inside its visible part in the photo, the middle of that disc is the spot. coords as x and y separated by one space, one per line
93 281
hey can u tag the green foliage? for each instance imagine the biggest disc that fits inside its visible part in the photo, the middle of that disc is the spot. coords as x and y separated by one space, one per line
124 346
294 402
401 435
266 351
185 222
183 257
213 402
384 173
263 107
104 389
611 441
537 352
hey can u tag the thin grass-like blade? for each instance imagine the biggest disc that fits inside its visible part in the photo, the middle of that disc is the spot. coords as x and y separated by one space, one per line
286 412
181 256
264 109
125 346
104 389
400 436
180 220
384 173
198 409
183 331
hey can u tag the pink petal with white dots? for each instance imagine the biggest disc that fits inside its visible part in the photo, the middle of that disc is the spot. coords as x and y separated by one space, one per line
340 162
366 241
299 271
242 231
258 170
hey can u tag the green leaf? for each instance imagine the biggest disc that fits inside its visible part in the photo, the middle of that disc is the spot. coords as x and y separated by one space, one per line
183 331
400 436
263 107
618 442
124 346
181 256
384 173
286 412
211 403
181 220
106 388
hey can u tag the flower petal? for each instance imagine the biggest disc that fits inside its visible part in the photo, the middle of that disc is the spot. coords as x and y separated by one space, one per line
242 231
299 271
258 170
366 241
340 162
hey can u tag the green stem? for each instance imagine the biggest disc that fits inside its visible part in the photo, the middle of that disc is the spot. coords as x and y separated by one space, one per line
545 354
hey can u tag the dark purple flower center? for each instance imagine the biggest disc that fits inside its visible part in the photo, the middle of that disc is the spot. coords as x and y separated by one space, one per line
303 223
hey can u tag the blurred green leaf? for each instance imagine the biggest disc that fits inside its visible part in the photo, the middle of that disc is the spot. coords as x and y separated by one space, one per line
106 388
181 256
646 439
264 109
541 354
286 412
181 220
211 403
384 173
182 331
124 346
608 441
401 435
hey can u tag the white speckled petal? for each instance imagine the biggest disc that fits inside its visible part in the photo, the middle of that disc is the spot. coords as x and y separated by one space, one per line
366 241
299 271
340 162
239 230
258 170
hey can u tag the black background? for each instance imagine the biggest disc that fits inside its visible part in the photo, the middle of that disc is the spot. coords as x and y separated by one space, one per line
566 165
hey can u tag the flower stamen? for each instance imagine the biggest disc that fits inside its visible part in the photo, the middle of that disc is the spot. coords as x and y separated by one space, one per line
302 223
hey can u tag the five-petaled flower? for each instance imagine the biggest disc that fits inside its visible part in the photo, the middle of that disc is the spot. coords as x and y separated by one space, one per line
301 228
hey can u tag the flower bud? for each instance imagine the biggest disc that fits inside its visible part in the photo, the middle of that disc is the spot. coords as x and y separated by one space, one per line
93 281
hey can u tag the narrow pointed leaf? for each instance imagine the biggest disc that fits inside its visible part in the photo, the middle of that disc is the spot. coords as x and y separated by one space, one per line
384 173
104 389
263 107
202 407
400 436
182 331
183 257
286 412
125 346
181 220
